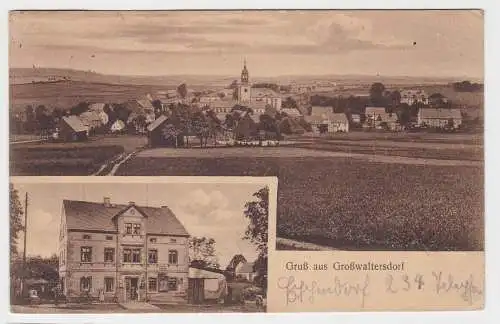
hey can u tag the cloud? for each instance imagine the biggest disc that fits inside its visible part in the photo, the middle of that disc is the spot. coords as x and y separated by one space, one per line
43 231
207 205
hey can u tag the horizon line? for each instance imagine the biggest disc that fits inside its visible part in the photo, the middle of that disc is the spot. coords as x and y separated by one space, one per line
255 76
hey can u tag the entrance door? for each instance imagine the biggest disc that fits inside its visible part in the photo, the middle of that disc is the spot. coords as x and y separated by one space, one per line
131 286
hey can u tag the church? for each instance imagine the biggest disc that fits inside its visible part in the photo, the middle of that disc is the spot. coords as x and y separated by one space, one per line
255 98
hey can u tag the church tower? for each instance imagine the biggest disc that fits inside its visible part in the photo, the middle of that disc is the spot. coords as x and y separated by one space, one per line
244 86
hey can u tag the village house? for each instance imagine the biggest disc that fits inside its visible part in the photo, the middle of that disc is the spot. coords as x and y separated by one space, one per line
324 120
71 129
122 252
92 119
439 117
414 96
157 137
245 270
377 117
206 285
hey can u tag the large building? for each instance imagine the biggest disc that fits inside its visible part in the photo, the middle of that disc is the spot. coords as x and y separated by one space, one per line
258 99
122 252
440 117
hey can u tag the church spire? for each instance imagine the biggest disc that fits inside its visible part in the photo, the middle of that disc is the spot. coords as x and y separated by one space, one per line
244 72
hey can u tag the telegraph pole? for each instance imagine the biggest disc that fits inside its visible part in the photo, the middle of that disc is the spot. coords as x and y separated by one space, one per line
25 240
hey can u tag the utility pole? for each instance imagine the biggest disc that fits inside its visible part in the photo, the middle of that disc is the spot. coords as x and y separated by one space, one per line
25 240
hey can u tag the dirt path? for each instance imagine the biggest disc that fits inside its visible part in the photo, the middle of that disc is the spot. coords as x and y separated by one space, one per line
297 245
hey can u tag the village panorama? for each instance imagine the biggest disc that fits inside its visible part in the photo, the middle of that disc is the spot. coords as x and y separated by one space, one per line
372 121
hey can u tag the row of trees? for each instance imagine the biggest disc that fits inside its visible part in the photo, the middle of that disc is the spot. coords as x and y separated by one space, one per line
467 86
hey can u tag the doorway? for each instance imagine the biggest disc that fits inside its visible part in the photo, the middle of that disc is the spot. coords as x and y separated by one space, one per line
132 288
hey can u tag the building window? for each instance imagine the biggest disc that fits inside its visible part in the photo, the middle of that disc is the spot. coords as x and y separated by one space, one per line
152 284
153 256
152 240
136 256
85 283
137 229
86 237
109 284
172 283
109 237
128 228
109 255
173 257
86 254
127 255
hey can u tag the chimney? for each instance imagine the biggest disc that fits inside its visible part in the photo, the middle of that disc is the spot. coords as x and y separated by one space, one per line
131 203
107 202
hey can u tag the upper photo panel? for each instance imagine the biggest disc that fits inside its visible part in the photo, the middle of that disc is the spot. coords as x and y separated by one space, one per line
372 120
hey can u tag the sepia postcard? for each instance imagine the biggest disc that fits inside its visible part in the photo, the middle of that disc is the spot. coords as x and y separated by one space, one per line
107 245
370 121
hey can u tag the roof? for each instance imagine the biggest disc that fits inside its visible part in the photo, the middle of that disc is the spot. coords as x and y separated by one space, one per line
293 112
156 123
440 113
90 116
206 273
246 267
321 111
325 118
263 92
219 103
92 216
75 123
97 106
375 110
412 92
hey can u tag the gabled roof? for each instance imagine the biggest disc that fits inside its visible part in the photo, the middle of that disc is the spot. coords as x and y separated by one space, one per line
321 110
97 106
92 216
374 110
157 122
440 113
293 112
263 92
75 123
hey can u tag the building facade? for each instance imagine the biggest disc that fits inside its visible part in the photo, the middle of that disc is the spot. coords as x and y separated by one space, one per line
440 117
122 253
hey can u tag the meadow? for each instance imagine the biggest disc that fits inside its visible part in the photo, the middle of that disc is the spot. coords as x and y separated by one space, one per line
70 160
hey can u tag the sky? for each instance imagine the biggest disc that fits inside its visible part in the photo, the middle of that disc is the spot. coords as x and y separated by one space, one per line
212 210
428 43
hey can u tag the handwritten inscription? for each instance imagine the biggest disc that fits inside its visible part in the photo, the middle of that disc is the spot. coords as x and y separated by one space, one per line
300 291
438 283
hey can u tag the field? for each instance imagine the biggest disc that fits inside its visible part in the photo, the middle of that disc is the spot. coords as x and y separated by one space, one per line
57 159
347 201
68 93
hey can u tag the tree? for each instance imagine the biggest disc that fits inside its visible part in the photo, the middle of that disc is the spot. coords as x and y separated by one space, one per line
157 106
182 90
202 252
171 132
257 212
16 218
377 94
289 102
200 127
81 107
